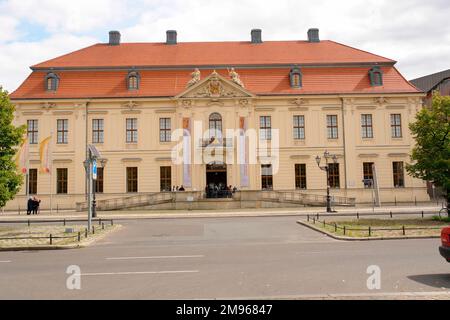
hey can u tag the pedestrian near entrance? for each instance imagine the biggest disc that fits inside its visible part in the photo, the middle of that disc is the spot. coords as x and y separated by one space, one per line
36 204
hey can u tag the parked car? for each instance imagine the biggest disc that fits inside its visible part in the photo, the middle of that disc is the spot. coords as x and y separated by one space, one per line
445 248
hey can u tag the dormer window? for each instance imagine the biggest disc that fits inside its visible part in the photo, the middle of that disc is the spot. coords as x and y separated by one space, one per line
51 82
295 77
376 77
133 80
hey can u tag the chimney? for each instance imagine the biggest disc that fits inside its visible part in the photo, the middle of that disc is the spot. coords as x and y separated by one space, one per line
313 35
256 36
171 37
114 38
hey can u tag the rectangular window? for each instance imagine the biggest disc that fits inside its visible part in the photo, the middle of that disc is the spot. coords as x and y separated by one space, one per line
266 177
165 130
368 174
332 127
97 130
366 126
334 179
63 131
132 130
299 127
396 125
32 181
165 178
132 179
399 176
265 128
61 180
32 131
98 184
300 176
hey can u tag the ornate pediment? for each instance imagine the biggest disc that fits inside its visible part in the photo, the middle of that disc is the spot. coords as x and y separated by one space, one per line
215 87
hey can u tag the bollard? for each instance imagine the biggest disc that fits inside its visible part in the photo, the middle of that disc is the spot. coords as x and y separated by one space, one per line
307 217
103 226
86 233
404 231
390 214
345 229
79 236
422 214
370 231
64 222
51 239
100 222
335 227
317 216
112 222
93 230
324 224
314 220
357 215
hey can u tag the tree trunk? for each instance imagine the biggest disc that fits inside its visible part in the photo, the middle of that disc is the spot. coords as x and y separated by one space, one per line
448 202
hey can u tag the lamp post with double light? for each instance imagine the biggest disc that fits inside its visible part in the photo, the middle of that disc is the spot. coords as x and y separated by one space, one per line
327 156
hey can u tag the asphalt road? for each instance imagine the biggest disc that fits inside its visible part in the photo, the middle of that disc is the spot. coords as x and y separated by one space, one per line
224 258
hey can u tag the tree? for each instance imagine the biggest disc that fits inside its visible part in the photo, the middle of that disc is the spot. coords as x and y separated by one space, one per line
431 155
10 138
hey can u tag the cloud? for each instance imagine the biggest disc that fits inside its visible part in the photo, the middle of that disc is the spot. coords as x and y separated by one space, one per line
414 32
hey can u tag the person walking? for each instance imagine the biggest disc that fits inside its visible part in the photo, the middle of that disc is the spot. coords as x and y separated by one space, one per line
30 204
36 203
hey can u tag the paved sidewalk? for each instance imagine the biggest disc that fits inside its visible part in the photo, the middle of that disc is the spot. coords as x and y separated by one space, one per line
428 209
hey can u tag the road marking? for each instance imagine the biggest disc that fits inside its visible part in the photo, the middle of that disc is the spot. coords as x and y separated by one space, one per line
7 261
138 273
154 257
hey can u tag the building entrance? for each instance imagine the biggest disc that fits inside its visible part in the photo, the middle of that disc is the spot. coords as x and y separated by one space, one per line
216 181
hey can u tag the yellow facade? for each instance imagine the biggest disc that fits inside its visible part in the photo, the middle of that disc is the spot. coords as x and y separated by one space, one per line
148 154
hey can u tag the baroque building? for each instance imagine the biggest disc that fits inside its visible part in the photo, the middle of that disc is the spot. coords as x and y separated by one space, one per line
159 113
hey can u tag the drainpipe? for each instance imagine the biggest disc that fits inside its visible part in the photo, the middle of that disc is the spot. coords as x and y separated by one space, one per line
345 146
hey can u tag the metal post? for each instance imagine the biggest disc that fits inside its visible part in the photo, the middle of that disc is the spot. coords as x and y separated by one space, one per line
51 239
89 174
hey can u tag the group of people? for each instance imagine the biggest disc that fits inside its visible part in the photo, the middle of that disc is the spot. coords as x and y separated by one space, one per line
220 191
178 189
33 205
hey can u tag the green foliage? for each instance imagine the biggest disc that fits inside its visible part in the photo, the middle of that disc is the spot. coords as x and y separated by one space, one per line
10 138
431 155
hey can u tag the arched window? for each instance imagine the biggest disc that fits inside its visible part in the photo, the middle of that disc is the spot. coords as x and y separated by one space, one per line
215 125
133 80
295 77
51 82
376 77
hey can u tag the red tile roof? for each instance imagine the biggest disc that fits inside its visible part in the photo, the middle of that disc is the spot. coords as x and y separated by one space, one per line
213 54
165 83
327 67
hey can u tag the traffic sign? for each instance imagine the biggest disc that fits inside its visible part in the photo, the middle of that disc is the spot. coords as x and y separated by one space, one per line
94 169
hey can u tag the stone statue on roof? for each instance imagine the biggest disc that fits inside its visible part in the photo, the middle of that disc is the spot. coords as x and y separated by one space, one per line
195 77
235 77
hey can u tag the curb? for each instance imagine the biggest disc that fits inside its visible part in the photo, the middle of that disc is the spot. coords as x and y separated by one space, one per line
341 238
83 244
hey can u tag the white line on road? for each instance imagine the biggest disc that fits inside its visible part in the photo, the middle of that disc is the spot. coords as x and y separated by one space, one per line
155 257
138 273
5 261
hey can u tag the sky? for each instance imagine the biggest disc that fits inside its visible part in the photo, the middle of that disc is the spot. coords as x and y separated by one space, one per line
416 33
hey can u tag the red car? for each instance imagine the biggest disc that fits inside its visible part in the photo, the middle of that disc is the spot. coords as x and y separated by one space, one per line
445 248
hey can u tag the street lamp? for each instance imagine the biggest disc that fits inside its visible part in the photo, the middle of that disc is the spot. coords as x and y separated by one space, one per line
94 201
326 168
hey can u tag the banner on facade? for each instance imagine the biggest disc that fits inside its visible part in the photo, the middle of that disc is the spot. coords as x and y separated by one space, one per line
187 168
45 155
22 157
243 153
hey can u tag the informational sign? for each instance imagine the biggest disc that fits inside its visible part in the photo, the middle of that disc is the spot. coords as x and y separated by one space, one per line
94 170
